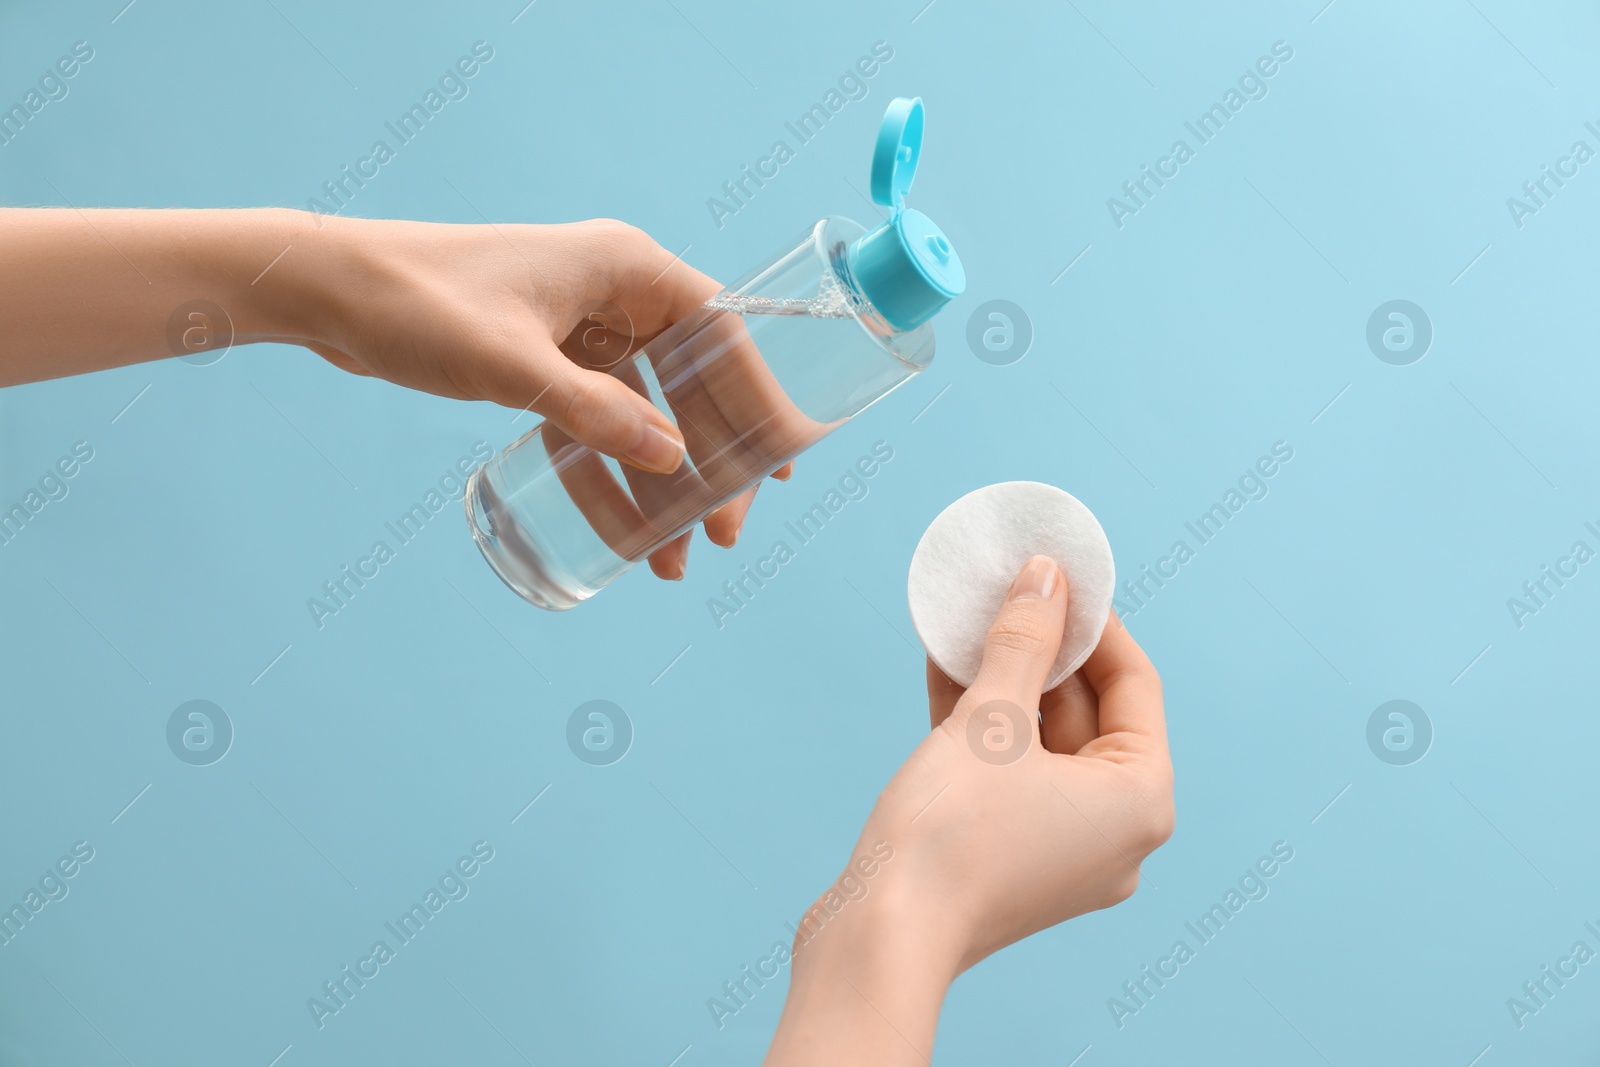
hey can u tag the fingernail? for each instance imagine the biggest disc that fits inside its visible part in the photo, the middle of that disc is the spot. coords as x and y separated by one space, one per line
656 450
678 566
1038 579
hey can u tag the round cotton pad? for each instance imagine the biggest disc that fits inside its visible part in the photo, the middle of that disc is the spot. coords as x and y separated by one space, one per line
966 561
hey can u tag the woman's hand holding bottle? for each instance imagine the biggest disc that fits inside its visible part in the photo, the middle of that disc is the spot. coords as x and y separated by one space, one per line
528 316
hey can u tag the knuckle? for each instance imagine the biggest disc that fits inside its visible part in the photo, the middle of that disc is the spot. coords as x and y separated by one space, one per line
579 405
607 226
618 233
1158 820
1017 633
618 254
1163 821
1122 887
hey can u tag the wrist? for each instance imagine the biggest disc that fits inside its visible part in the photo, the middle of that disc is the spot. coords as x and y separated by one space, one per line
872 962
876 936
308 270
261 266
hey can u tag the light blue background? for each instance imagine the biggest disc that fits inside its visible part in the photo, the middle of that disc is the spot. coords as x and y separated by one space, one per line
1222 318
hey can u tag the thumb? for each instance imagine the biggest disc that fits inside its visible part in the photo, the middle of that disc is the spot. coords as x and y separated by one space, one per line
604 411
612 415
1026 635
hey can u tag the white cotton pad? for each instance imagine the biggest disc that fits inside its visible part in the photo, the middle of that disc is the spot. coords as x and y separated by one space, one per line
966 561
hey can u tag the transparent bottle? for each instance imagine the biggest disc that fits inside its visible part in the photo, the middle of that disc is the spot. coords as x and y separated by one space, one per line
754 377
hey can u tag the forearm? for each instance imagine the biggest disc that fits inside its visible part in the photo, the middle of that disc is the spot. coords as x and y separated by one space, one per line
865 988
86 290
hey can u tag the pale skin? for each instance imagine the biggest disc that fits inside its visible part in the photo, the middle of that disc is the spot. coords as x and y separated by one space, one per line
985 854
526 316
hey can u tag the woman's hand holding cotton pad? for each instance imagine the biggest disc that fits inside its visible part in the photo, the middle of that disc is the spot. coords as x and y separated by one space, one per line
969 556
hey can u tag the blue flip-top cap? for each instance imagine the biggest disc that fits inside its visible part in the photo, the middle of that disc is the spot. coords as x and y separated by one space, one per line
906 266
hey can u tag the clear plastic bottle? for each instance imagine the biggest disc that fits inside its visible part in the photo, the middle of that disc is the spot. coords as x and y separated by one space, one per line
754 377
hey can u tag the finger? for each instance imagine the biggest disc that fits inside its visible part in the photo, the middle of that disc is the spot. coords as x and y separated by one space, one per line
671 559
1026 635
629 515
942 695
1069 715
1129 689
654 290
602 501
724 524
628 524
669 502
724 437
595 409
603 413
736 417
